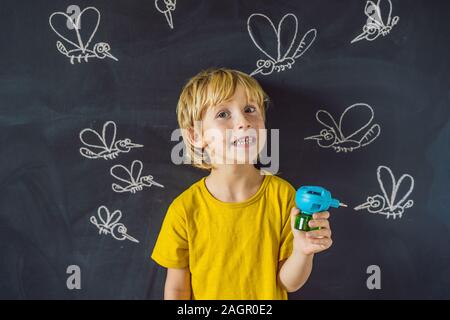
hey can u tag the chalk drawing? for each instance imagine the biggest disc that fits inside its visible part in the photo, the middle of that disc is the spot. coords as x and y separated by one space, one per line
387 204
108 223
104 146
339 136
375 25
166 7
132 178
280 57
79 50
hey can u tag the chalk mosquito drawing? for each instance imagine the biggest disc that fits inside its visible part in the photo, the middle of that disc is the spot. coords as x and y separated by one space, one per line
108 223
387 203
104 146
132 178
375 25
338 137
279 57
166 7
79 50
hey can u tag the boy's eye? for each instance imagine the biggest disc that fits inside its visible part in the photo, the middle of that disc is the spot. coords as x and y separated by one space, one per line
250 109
222 114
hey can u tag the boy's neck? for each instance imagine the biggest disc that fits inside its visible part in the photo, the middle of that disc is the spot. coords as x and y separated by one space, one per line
234 183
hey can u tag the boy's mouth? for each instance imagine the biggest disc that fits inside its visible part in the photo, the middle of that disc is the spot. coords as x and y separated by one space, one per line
244 141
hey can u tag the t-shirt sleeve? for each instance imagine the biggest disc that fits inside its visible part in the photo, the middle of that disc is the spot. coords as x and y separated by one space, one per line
171 249
286 232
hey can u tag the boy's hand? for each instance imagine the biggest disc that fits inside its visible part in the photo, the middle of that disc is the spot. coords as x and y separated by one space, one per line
312 241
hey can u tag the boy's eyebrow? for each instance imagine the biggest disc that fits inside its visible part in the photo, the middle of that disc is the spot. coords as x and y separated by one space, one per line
223 104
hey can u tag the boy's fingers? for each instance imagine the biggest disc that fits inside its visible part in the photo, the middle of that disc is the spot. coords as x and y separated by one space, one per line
323 223
321 215
294 211
319 233
327 242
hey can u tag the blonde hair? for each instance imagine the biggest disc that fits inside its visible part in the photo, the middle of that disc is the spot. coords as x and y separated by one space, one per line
209 88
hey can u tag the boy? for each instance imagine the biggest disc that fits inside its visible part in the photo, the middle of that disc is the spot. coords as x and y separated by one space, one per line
230 235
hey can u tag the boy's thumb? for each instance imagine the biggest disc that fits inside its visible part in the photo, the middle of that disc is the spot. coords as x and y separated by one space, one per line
294 211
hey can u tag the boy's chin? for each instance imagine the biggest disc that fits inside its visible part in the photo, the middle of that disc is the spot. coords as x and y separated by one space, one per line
249 156
242 160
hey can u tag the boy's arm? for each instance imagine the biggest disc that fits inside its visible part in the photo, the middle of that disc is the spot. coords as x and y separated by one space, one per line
178 284
293 272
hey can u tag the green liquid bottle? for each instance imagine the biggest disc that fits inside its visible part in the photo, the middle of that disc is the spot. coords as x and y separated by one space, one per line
302 222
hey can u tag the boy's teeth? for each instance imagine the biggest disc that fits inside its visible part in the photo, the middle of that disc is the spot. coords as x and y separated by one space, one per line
243 141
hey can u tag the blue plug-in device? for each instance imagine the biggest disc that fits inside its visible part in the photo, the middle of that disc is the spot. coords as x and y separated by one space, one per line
312 199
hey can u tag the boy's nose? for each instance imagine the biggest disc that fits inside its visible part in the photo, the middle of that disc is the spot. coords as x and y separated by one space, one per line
243 122
244 125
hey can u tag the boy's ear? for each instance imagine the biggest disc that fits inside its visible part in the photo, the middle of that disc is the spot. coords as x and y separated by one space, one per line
194 138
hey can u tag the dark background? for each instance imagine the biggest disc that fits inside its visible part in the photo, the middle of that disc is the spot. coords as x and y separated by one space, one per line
48 190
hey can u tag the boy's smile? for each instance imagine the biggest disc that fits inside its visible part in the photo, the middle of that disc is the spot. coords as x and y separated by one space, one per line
244 142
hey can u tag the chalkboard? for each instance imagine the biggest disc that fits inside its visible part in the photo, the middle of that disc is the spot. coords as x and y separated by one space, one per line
374 74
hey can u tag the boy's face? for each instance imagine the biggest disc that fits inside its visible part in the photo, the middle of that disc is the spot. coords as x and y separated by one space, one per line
234 131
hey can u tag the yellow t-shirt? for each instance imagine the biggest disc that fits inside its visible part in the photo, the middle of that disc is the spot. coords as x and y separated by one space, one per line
232 249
